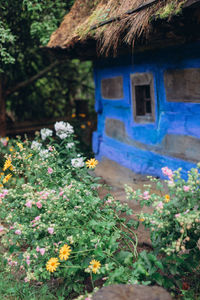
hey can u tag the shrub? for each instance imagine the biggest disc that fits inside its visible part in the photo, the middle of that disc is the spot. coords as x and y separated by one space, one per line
57 226
175 229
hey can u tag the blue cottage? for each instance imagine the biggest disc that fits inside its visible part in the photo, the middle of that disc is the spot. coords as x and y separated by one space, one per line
146 58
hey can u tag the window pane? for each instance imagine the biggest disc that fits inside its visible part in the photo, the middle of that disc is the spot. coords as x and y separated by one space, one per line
112 88
143 101
148 107
140 100
182 85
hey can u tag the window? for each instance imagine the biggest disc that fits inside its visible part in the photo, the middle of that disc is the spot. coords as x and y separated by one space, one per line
112 88
182 85
143 97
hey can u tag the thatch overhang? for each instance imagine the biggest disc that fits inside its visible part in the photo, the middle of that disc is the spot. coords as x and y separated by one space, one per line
101 27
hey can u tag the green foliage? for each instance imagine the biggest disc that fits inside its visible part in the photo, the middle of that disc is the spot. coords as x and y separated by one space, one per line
175 230
53 201
170 9
22 19
12 287
25 26
6 38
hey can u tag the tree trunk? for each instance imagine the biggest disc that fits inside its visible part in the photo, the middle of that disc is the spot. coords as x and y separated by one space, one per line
2 110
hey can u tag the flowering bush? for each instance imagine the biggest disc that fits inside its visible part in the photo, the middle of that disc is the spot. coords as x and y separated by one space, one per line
174 226
57 226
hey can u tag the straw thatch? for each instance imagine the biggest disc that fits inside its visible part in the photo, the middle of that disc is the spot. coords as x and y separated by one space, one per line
111 22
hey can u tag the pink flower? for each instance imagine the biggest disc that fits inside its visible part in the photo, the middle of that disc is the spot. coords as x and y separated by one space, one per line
50 170
109 201
61 193
28 262
26 279
5 192
167 172
160 205
177 215
50 230
146 195
4 142
50 148
39 204
171 183
37 218
186 188
28 204
11 227
18 232
42 251
1 229
38 249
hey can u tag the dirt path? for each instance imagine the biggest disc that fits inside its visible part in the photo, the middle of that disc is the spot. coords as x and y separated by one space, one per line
116 177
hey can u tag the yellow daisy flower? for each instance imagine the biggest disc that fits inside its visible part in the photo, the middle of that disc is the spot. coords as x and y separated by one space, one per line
92 163
82 115
89 123
83 126
167 198
65 252
73 115
7 164
52 264
141 219
1 185
6 178
20 146
95 265
11 149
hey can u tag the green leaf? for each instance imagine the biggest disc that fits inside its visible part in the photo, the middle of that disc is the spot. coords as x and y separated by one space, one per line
159 265
158 278
125 257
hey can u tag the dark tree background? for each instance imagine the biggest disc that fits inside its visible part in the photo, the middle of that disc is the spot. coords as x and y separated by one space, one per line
33 84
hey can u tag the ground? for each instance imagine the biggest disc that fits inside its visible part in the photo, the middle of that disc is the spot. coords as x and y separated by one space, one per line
116 176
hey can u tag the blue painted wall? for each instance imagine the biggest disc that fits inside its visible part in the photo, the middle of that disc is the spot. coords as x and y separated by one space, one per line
174 118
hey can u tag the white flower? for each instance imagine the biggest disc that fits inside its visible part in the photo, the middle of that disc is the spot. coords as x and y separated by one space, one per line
77 162
36 146
63 129
44 154
45 132
69 145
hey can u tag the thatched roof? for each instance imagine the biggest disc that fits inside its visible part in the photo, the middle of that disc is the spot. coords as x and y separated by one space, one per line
112 22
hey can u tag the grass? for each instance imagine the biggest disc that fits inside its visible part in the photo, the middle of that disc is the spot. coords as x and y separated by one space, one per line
12 287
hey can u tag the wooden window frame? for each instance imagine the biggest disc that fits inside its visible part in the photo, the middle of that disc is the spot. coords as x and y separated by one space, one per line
143 79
